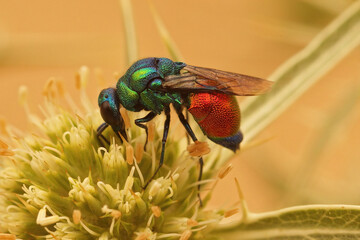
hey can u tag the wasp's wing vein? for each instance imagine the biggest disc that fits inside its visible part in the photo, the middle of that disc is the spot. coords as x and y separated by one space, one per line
199 79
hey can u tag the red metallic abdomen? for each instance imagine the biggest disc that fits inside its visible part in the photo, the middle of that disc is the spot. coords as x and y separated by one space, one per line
217 114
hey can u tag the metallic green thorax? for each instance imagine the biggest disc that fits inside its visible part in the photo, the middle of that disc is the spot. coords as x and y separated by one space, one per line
140 87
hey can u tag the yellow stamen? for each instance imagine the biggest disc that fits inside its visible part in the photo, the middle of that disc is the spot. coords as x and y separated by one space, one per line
125 116
116 214
77 80
49 90
139 151
192 222
156 211
231 212
151 131
198 149
60 87
5 236
129 154
3 130
224 171
76 216
143 236
6 152
3 145
185 235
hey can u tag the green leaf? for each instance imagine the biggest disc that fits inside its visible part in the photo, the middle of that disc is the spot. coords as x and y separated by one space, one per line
168 41
130 33
302 222
300 72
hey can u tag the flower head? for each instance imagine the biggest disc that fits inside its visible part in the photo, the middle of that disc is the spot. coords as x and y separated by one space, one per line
63 183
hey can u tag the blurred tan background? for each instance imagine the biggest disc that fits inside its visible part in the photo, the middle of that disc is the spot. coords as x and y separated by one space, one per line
313 155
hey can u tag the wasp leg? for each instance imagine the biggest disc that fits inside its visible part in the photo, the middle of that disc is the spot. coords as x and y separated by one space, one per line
187 120
194 138
140 122
99 135
121 132
165 134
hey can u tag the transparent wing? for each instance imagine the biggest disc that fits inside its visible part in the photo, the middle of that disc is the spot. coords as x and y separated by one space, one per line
199 79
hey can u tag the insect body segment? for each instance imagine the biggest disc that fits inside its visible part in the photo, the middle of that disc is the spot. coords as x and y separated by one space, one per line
218 116
139 88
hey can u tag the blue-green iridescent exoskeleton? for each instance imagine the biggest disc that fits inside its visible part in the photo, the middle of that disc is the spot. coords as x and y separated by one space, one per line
140 87
152 84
